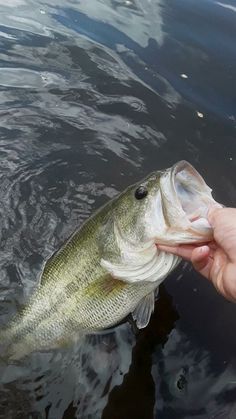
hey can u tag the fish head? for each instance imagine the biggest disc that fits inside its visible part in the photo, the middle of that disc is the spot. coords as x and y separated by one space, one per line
168 207
178 208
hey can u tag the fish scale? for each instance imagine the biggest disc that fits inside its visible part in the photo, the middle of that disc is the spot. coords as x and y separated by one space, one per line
110 267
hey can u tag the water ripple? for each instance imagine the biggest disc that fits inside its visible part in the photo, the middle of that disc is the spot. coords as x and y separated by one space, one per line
93 96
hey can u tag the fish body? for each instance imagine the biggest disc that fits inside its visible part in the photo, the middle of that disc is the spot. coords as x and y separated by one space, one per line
111 266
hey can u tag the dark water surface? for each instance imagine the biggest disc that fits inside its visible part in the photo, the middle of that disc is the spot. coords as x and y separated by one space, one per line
95 94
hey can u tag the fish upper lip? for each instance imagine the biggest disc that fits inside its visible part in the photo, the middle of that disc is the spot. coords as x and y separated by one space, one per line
204 192
177 168
181 165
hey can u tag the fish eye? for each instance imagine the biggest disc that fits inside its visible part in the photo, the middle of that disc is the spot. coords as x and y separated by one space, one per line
141 192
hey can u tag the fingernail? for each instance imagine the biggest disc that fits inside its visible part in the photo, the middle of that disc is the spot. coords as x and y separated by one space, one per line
203 249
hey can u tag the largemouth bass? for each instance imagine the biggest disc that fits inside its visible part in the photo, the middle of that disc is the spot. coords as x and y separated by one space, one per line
111 266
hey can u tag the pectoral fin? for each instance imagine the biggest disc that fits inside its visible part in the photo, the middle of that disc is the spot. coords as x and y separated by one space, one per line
144 310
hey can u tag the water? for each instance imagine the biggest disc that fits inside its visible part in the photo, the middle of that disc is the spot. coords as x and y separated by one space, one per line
93 96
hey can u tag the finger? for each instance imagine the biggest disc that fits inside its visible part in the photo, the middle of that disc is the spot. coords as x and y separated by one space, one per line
226 284
201 260
212 245
213 212
184 251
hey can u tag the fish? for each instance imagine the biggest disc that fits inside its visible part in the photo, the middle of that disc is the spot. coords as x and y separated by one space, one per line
111 266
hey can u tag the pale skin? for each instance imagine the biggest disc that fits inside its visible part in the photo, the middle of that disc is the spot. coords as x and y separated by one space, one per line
216 260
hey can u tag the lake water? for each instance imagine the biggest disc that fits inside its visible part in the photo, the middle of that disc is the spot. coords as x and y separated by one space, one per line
94 95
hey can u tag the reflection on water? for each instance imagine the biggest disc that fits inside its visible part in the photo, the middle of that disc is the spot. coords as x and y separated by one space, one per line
94 95
192 384
81 378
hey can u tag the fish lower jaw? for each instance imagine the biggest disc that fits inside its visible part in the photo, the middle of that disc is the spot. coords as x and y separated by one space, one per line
181 236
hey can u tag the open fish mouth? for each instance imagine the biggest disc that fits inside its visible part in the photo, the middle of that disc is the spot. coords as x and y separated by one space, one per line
193 198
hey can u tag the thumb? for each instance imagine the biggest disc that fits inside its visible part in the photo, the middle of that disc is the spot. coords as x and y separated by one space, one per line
201 261
213 212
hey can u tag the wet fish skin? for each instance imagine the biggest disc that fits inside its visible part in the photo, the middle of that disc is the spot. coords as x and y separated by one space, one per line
107 269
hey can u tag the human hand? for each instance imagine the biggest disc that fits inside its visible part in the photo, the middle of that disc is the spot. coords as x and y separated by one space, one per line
216 260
